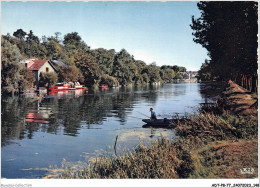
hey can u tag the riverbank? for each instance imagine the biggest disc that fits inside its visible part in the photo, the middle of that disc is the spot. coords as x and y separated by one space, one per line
210 146
239 101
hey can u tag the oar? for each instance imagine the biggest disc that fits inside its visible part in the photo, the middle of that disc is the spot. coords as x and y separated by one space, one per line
143 114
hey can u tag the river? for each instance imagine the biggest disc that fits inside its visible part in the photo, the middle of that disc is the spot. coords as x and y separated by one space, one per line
38 134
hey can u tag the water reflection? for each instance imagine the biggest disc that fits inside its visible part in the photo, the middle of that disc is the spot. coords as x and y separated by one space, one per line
22 116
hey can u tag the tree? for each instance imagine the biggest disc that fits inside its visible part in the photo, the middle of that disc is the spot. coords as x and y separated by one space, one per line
33 47
31 37
204 74
48 79
167 74
89 68
154 73
54 50
20 34
70 74
105 59
72 44
123 67
11 77
72 39
28 78
57 36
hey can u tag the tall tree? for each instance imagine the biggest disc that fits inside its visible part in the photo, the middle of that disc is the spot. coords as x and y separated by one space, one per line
228 30
123 67
89 67
11 77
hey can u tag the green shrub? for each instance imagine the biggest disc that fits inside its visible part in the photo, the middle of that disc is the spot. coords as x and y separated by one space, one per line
48 79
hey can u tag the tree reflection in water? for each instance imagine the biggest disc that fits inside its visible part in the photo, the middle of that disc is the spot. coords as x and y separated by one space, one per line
64 112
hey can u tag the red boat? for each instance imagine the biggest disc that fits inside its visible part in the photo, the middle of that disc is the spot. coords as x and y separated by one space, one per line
64 87
59 87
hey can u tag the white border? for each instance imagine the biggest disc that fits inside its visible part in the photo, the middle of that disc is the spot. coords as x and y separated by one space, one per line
126 182
123 182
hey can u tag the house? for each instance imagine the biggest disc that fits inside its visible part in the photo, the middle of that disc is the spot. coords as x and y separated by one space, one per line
38 66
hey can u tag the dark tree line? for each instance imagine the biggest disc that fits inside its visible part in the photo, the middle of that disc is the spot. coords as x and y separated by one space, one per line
89 66
228 30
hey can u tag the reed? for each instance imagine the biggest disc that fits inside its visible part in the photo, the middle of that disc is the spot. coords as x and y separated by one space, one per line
160 160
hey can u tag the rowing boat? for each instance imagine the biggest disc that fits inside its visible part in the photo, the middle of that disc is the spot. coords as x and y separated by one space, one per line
161 123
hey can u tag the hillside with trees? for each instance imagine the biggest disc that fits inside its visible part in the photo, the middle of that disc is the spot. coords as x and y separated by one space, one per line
88 66
228 30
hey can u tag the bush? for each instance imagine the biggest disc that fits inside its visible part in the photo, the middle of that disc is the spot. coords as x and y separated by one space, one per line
48 79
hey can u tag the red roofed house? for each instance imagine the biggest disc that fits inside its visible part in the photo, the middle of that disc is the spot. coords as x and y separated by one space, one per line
38 66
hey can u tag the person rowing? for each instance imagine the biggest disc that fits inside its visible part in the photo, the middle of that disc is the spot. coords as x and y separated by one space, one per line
153 115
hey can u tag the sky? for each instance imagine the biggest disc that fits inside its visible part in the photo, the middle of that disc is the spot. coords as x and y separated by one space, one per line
151 31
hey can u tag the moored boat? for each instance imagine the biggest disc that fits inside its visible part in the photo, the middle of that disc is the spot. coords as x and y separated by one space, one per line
162 123
66 86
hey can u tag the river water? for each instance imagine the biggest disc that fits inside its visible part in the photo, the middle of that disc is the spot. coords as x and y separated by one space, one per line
38 134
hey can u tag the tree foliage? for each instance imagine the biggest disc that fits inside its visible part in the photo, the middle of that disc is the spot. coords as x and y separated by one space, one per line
228 30
12 78
70 74
48 79
19 34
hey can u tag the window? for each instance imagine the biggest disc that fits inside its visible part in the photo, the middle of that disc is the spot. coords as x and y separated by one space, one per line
47 69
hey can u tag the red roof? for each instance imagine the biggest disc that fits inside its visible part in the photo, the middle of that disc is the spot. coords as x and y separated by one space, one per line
37 64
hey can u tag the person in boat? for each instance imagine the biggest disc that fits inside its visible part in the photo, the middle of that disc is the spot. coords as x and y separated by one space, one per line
153 115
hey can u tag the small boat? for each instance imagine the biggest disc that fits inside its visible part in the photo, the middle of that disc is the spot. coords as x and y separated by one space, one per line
162 123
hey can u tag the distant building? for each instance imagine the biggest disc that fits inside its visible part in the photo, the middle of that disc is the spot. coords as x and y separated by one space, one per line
38 66
189 76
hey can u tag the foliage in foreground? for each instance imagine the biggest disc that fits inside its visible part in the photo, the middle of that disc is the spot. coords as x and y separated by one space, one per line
161 160
190 157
